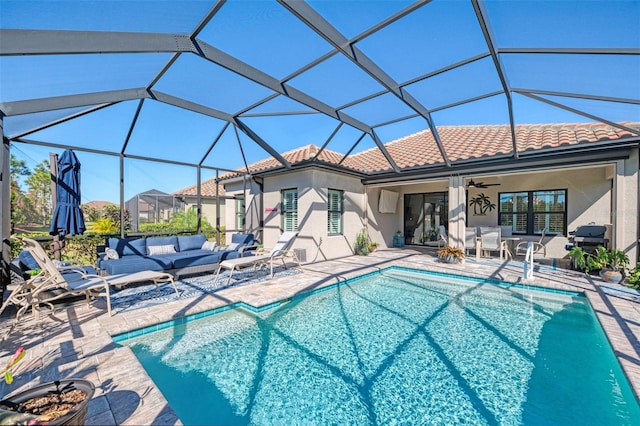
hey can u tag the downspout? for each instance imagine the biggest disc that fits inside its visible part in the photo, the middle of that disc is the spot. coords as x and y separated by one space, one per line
260 208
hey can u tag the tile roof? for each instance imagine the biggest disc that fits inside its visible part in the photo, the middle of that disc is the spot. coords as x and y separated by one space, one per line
98 205
207 189
460 143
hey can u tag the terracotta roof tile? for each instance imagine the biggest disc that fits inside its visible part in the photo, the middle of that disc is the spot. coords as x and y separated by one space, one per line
207 189
460 143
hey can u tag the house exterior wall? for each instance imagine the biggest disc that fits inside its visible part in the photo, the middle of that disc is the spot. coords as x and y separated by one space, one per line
604 194
312 186
208 209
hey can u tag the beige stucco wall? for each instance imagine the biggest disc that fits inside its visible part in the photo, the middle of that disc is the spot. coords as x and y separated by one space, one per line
312 185
383 226
606 193
208 209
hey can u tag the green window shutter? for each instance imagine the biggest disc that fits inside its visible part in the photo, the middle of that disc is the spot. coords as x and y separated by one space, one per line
290 209
334 212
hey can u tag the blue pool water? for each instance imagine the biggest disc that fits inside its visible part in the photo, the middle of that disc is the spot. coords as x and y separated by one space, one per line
399 347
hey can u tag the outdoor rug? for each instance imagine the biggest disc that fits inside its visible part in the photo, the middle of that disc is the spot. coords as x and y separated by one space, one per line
144 295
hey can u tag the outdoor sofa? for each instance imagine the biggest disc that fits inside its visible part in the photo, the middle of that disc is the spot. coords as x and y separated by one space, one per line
178 255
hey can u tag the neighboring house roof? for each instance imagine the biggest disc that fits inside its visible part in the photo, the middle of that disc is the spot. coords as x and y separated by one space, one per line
207 189
460 143
98 205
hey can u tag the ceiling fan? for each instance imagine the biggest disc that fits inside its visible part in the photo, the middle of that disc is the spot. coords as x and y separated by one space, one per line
473 184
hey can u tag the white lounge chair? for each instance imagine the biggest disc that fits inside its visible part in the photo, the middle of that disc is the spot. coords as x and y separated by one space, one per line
278 253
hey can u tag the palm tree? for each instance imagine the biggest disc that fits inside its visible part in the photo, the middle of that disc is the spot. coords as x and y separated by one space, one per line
482 202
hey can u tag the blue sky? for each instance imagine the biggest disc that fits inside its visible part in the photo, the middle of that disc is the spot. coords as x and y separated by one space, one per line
268 37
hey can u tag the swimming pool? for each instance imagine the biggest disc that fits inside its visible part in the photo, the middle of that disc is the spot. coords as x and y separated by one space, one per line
400 346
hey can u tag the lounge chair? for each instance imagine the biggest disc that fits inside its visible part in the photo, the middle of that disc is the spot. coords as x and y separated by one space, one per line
278 253
52 284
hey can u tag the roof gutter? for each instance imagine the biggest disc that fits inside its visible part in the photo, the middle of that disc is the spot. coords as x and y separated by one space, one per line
506 164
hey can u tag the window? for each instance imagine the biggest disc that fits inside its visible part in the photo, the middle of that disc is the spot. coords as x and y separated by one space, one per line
240 214
290 210
532 211
334 212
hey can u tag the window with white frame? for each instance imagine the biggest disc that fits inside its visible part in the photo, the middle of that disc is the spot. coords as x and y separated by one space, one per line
529 212
240 214
290 209
334 212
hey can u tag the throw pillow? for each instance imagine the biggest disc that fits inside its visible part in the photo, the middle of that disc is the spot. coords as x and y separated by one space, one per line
233 246
153 250
112 253
209 245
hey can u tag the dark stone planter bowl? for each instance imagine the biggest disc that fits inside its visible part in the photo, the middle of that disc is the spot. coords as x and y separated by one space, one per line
76 416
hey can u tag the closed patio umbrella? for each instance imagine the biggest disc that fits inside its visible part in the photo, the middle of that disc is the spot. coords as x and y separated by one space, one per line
67 216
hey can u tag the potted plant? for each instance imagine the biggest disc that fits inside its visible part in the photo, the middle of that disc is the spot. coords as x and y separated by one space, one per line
611 263
450 254
361 246
579 259
63 402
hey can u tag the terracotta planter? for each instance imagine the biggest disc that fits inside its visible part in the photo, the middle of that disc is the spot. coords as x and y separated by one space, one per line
611 276
76 416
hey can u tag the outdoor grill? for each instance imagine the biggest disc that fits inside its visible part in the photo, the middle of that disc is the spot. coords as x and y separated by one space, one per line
589 237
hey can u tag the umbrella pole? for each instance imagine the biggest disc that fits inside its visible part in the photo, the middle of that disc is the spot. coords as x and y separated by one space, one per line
53 167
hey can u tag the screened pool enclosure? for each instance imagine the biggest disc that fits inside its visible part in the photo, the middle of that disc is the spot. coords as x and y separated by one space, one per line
161 95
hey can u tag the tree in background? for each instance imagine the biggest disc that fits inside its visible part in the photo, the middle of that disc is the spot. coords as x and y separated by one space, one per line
39 183
91 214
113 213
19 203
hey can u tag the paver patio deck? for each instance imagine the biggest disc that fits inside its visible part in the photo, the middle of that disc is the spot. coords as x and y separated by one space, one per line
76 341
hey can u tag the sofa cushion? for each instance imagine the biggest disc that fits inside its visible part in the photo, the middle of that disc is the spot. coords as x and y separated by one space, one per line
191 242
209 245
134 263
127 247
111 253
165 249
162 241
199 257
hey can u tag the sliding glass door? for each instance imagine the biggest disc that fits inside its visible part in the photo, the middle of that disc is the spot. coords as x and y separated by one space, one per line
423 214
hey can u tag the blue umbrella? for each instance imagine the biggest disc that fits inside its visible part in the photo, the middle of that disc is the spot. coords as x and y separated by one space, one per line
67 217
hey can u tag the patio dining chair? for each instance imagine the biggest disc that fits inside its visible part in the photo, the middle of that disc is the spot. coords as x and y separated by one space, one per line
53 284
470 239
490 240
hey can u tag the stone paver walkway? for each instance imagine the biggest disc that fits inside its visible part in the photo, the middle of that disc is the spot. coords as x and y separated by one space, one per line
76 341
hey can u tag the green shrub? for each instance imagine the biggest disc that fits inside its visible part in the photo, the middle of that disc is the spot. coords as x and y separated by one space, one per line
361 246
634 277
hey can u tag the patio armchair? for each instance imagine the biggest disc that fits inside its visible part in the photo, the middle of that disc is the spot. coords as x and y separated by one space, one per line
491 240
538 247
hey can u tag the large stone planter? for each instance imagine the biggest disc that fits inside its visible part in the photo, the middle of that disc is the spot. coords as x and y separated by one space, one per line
610 276
76 416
